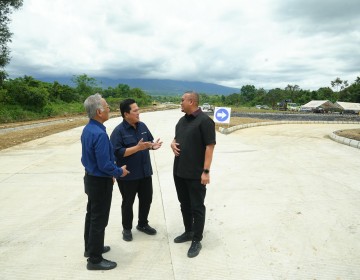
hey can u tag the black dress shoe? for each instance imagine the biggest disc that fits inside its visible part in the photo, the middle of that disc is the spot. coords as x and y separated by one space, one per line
186 236
127 235
146 229
105 250
194 249
103 265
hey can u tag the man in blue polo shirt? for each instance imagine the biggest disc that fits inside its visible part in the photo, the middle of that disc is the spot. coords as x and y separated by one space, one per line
132 141
100 169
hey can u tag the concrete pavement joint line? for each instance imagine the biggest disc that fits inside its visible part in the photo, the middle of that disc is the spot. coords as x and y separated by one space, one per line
346 141
22 170
163 208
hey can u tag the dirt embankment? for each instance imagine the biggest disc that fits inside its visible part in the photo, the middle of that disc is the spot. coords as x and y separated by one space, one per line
12 134
17 133
349 133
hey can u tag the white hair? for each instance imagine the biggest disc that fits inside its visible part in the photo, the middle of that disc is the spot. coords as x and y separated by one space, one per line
92 104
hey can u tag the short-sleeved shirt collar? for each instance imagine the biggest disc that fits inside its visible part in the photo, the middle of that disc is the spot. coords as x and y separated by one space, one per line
127 125
194 114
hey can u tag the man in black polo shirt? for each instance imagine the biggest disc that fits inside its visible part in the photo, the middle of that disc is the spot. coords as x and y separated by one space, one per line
132 141
193 146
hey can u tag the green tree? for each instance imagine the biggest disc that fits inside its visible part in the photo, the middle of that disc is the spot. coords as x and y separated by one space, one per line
259 97
216 99
357 81
20 92
120 91
204 98
247 93
351 93
140 97
233 99
64 93
6 8
85 85
304 97
292 92
273 97
223 99
339 84
326 93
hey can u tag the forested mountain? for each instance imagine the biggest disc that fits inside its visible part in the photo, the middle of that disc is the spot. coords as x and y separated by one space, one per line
155 86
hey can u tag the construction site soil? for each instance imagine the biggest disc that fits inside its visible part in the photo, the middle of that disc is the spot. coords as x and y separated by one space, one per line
12 134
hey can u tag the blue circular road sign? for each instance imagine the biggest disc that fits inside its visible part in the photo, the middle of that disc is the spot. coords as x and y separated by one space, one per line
222 115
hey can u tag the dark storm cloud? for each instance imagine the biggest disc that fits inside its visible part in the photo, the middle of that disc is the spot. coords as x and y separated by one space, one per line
331 16
266 43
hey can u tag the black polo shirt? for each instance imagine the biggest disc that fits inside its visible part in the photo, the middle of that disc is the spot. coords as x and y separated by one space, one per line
193 132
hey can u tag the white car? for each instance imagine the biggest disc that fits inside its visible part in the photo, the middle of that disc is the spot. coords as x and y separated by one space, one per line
206 107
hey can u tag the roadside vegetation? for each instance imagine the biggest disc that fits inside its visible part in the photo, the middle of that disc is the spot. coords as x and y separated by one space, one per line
25 98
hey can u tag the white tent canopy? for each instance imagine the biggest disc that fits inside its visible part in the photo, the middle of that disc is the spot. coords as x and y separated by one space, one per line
348 106
314 104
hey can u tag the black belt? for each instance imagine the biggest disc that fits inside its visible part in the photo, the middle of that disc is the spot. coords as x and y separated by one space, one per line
104 177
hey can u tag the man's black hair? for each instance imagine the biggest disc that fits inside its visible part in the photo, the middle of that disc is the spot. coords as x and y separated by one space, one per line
125 106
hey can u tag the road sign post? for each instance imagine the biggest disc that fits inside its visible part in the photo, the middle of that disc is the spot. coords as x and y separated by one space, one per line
222 115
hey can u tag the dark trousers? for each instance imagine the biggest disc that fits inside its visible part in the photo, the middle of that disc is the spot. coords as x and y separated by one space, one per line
99 192
191 195
128 189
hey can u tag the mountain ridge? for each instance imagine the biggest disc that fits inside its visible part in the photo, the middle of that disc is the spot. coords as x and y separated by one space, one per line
155 86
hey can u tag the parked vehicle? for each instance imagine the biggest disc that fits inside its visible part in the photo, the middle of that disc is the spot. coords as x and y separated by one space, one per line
282 106
266 107
293 107
305 109
207 107
319 110
350 112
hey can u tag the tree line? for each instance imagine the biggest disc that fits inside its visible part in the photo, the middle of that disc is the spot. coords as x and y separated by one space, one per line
26 98
249 95
6 8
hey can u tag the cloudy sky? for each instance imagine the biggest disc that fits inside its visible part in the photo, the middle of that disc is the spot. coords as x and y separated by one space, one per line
265 43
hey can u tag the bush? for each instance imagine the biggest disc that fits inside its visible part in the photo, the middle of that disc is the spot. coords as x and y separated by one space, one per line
64 109
15 113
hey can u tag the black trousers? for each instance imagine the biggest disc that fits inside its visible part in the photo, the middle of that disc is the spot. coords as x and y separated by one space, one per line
128 189
99 192
191 195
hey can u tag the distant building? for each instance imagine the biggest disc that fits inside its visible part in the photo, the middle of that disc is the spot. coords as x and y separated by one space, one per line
348 107
316 105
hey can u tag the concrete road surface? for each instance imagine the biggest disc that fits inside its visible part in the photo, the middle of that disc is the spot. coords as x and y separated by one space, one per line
283 203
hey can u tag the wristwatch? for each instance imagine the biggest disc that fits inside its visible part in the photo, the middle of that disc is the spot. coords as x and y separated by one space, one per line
206 171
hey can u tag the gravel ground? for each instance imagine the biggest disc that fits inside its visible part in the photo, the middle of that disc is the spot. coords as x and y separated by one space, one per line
300 117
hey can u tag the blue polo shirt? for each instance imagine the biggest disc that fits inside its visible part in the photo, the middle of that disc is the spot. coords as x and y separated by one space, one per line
97 151
126 136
